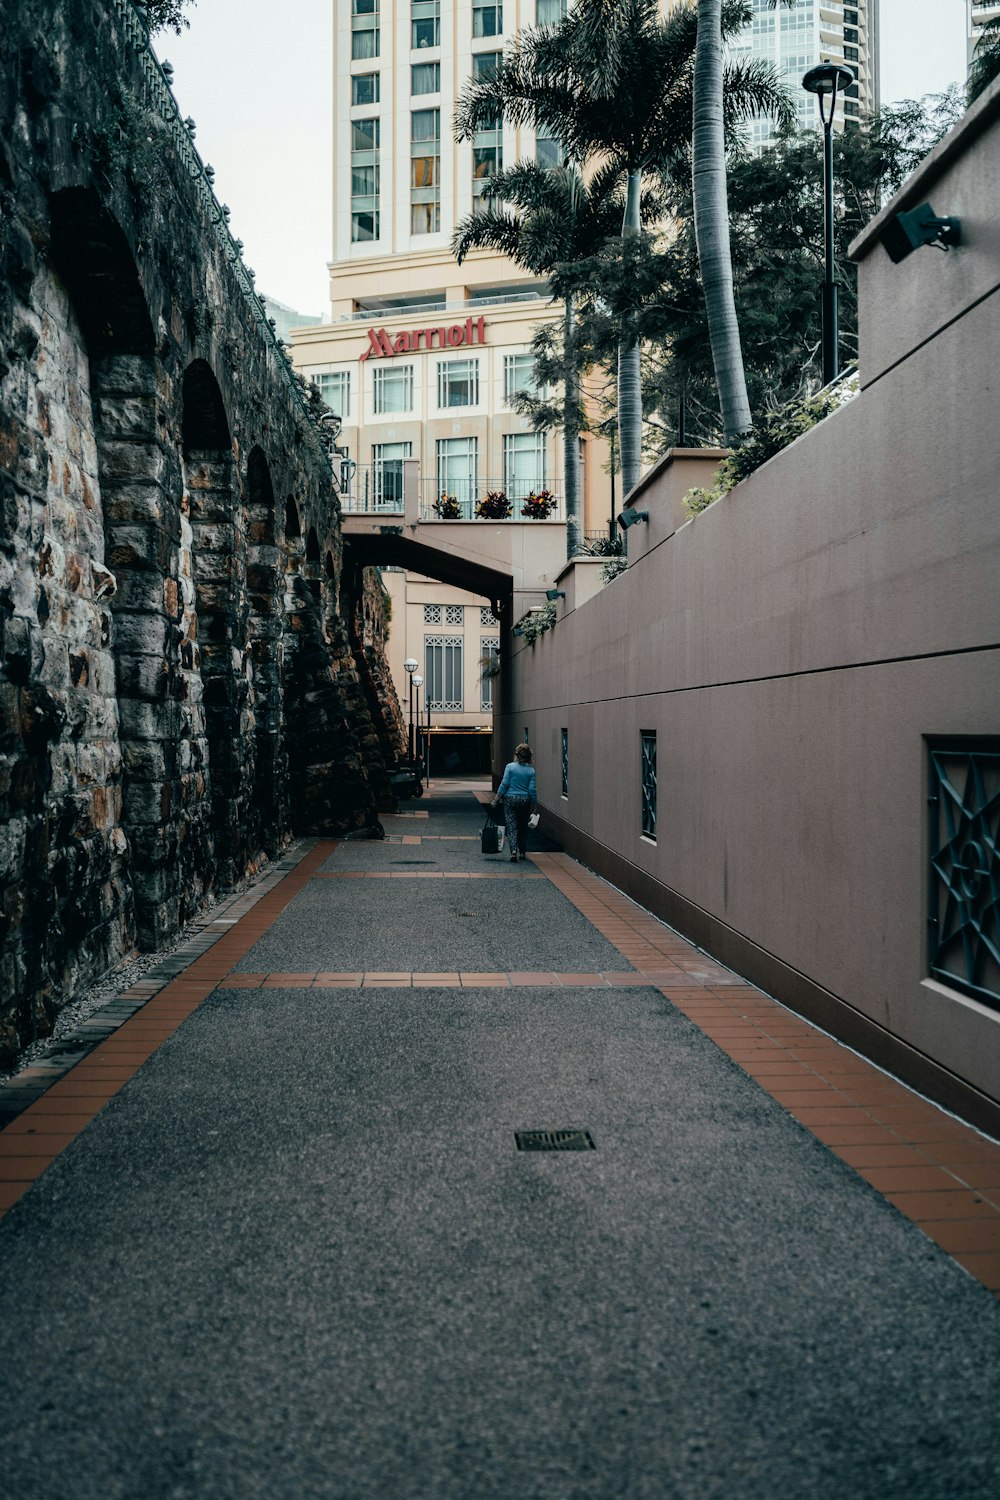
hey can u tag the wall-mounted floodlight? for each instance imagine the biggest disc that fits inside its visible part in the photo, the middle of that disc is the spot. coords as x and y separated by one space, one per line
906 232
518 630
553 594
628 518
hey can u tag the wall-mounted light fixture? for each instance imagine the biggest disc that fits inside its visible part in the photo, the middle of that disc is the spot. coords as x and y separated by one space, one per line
906 232
517 630
553 594
629 518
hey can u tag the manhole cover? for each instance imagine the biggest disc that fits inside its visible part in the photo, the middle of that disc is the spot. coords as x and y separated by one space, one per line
554 1140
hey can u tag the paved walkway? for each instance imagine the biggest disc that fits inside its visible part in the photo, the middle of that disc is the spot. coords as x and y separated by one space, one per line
280 1240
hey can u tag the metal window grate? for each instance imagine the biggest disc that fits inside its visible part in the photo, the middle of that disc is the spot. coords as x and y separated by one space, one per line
964 917
432 614
554 1140
454 614
648 737
486 615
564 733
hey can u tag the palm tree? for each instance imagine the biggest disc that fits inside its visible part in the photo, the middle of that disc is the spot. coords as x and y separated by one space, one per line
543 218
711 216
614 81
986 60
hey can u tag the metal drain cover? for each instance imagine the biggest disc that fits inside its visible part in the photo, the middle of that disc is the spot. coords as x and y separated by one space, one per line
411 861
554 1140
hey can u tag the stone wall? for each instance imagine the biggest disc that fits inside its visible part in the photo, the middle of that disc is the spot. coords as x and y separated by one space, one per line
178 649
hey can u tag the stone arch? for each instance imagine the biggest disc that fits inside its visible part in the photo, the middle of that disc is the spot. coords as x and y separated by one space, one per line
79 624
214 623
293 526
264 656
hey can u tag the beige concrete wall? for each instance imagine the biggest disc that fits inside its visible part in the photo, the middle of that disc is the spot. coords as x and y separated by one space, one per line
793 647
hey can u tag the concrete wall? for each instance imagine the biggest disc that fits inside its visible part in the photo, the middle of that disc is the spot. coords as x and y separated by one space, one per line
796 647
185 677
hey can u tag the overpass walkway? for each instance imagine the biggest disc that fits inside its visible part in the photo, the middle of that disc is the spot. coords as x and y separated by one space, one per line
273 1236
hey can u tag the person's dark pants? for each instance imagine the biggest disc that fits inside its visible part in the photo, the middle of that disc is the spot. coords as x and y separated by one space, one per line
516 811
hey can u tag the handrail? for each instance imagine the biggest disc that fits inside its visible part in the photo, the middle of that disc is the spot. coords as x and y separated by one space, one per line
159 97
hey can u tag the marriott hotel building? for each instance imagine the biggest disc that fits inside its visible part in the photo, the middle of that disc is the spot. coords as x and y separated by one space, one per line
422 356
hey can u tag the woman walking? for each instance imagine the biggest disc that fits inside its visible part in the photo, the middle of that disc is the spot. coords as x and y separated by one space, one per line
520 796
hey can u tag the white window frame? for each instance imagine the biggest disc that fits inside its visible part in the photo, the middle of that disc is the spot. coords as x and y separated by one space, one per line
390 377
446 452
444 670
518 442
448 370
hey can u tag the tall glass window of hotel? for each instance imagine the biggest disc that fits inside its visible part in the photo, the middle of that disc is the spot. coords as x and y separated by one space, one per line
796 39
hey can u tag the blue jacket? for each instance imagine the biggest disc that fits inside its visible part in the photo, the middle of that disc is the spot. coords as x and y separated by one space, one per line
518 781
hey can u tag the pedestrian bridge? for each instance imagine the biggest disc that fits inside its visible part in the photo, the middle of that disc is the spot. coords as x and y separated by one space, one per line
501 560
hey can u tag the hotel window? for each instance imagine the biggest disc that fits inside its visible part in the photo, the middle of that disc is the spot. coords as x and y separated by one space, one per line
523 464
457 470
393 389
489 652
519 376
425 23
443 671
549 12
364 28
648 774
487 19
458 383
425 78
425 171
387 474
548 152
335 388
432 614
364 88
365 138
485 66
487 158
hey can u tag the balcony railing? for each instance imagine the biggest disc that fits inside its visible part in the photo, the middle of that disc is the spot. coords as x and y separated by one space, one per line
378 490
427 309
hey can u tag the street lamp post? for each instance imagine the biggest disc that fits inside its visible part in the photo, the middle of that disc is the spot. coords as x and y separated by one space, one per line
825 81
417 682
427 742
409 667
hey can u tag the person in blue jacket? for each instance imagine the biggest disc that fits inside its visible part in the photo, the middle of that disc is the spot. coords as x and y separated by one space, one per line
520 797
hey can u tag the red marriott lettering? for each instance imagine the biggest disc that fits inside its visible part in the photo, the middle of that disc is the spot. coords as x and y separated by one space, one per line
380 345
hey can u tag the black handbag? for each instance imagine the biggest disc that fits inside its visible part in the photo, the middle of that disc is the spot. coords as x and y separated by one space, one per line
491 838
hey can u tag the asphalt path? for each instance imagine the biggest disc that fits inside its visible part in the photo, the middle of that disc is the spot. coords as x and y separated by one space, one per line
299 1255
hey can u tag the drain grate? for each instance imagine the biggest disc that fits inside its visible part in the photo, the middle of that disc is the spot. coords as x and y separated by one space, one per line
411 861
554 1140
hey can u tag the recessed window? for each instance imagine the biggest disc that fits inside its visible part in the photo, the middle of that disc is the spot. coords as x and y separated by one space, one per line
518 376
432 614
393 388
523 464
425 23
387 474
487 19
425 78
549 12
365 179
564 759
425 171
457 470
458 383
364 29
335 388
485 66
648 778
443 671
364 88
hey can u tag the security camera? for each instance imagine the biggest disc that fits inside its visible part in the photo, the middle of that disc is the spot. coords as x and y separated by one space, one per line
906 232
630 517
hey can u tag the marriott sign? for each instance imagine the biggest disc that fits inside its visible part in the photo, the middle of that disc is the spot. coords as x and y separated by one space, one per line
381 346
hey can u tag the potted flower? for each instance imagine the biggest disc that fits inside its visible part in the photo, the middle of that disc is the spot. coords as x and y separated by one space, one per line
539 506
494 506
447 508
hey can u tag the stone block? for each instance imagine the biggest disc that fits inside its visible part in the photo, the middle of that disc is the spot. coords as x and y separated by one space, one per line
146 677
147 802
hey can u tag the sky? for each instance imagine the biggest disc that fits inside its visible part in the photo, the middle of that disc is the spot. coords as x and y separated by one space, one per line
257 78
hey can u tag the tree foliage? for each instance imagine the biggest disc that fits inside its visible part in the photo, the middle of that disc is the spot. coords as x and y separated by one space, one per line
167 15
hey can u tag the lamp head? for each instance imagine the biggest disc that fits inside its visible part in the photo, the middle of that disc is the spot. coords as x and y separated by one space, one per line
410 664
630 517
417 680
826 81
